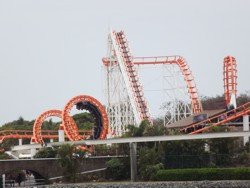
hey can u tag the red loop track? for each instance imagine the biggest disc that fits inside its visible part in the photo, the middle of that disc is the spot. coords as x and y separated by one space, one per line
70 126
230 78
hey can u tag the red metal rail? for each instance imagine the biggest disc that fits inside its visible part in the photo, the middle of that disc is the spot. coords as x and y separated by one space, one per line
141 103
69 124
28 134
230 78
185 70
37 127
217 120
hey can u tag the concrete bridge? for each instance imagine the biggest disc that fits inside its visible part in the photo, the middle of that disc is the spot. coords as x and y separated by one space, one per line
50 168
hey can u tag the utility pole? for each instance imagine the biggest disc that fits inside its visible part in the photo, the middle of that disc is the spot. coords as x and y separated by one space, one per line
133 164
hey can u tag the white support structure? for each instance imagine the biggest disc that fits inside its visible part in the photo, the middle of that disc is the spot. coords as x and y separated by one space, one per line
138 139
176 103
125 100
20 141
155 138
3 180
32 152
246 128
121 63
61 136
119 108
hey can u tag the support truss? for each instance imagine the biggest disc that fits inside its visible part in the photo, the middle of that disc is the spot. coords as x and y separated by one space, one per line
230 80
124 94
180 93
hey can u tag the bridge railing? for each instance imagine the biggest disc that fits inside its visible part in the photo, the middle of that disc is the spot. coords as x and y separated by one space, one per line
26 183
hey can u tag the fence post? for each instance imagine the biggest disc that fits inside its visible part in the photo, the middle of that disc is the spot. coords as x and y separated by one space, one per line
133 165
246 127
3 178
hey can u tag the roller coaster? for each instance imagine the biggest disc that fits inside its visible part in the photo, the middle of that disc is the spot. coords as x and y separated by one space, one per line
126 103
68 125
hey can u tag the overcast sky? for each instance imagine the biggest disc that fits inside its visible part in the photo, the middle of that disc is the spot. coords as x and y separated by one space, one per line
51 50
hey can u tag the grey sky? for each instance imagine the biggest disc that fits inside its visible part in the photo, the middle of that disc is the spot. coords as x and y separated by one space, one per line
51 50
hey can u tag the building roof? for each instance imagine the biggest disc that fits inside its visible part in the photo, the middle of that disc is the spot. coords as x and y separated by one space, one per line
189 120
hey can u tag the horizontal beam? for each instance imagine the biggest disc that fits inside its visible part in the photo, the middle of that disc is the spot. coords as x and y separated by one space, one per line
154 138
138 139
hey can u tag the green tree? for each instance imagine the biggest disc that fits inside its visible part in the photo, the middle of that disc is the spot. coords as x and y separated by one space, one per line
84 121
20 120
223 150
185 154
69 159
4 156
46 152
149 161
118 169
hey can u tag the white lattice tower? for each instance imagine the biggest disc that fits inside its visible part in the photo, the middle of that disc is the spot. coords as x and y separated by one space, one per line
176 104
125 99
118 104
180 92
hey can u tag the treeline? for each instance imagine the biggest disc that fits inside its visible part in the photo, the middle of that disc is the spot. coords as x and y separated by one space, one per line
156 156
84 121
218 102
153 157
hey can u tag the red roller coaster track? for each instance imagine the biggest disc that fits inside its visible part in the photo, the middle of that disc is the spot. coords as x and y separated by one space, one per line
128 63
230 78
185 70
230 83
37 127
69 125
138 94
71 128
28 134
218 120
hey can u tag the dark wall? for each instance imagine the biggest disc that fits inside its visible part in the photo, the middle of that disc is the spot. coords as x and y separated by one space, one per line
48 168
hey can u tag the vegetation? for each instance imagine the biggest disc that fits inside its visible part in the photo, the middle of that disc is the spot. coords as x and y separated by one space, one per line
84 121
218 102
4 156
203 174
47 152
118 169
153 157
69 158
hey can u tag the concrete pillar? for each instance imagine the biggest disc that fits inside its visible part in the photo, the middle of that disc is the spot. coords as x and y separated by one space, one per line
32 152
245 128
61 136
133 165
3 180
51 140
20 141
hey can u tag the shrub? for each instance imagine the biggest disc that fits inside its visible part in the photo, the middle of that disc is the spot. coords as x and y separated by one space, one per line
117 169
203 174
150 171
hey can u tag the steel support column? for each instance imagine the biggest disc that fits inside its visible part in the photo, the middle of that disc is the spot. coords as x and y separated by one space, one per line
245 128
133 164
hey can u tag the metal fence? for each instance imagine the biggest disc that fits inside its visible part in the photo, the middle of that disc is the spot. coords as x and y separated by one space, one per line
206 160
27 183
